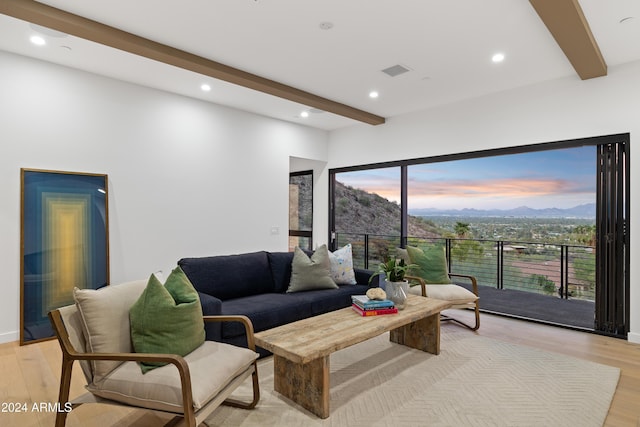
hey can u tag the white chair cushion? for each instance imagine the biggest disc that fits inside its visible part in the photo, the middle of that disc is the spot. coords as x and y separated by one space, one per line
447 292
105 321
212 366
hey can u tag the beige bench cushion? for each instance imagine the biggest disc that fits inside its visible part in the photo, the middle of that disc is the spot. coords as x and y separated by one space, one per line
454 293
213 365
105 321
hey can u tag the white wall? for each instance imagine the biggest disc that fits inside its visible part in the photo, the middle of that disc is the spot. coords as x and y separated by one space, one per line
186 178
553 111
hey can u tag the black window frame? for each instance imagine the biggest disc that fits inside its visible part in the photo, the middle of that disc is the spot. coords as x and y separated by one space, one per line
303 233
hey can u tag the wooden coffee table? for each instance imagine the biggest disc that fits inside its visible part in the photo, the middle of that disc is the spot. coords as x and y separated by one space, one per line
301 349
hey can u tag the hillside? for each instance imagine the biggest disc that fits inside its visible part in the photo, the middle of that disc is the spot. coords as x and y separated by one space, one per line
360 212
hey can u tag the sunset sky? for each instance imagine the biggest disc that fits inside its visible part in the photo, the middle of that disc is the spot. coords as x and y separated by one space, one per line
547 179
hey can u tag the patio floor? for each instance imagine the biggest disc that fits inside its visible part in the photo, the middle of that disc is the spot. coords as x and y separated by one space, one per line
573 313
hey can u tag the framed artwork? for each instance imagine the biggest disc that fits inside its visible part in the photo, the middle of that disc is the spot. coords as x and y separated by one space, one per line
64 243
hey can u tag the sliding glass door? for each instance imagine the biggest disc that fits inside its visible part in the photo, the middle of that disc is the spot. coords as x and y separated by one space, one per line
546 223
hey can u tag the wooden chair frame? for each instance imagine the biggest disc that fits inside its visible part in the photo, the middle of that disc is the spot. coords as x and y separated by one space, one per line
190 417
476 305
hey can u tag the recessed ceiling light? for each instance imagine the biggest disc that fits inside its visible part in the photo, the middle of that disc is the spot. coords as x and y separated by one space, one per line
38 40
304 114
205 87
498 57
373 94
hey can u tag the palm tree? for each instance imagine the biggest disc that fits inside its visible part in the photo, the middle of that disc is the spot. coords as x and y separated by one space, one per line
461 229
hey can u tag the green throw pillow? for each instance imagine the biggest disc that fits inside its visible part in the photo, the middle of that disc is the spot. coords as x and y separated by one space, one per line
311 273
431 264
167 319
402 253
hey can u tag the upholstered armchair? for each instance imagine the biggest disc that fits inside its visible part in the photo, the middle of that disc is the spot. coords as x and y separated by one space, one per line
96 332
429 277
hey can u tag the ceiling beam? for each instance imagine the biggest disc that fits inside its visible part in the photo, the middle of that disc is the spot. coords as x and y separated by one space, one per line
566 22
59 20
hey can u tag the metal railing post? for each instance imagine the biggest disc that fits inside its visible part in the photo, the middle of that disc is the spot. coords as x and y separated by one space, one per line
366 251
566 272
562 283
500 266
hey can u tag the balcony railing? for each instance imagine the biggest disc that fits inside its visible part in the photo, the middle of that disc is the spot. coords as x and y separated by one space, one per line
564 271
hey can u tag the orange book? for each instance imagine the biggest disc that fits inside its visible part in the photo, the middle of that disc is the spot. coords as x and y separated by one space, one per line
373 312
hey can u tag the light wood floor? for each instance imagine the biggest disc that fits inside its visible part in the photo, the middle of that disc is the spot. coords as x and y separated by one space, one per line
30 374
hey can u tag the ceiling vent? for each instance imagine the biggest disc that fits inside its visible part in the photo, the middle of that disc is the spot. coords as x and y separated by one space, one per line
395 70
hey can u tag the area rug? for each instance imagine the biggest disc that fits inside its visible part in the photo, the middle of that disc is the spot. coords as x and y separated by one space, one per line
475 381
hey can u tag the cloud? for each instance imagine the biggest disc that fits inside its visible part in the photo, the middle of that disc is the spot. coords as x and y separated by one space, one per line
501 187
500 193
552 178
483 193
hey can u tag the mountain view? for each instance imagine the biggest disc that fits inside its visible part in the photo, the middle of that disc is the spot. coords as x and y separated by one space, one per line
360 212
587 211
357 211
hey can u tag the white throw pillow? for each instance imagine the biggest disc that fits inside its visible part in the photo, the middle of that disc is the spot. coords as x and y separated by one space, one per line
342 266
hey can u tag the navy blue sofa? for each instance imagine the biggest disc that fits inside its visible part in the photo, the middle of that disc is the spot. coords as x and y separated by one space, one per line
255 284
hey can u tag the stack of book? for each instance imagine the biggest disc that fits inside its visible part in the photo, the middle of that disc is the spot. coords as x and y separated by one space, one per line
364 306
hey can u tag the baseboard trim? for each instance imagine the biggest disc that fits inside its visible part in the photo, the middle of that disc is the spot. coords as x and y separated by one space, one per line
633 337
9 337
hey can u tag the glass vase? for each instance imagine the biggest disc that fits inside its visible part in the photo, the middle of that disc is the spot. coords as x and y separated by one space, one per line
396 293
